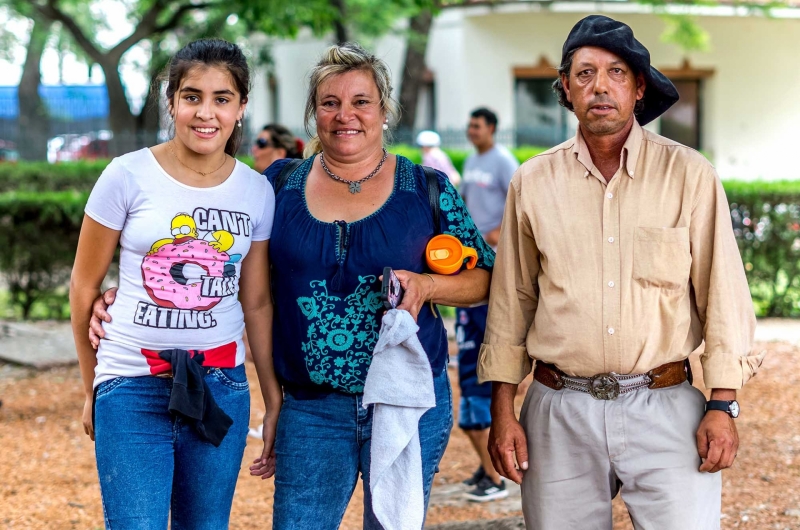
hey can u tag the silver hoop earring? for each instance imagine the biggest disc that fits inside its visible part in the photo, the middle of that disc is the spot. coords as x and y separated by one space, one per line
385 126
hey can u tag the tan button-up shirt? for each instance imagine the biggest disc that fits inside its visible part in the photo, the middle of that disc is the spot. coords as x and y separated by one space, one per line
621 276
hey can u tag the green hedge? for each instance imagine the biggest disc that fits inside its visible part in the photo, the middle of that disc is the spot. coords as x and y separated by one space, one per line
38 238
41 208
766 222
458 156
43 176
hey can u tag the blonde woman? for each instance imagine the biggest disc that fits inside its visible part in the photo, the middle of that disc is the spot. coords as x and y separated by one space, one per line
349 210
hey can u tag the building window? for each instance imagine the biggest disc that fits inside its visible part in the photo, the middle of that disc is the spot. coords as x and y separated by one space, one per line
681 122
539 118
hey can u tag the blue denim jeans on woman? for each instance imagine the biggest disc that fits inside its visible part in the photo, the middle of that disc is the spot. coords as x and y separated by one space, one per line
152 463
323 443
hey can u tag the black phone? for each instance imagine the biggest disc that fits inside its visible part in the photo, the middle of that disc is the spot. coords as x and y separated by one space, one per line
391 290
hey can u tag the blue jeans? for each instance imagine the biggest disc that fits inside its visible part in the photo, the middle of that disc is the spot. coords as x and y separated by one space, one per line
323 443
151 462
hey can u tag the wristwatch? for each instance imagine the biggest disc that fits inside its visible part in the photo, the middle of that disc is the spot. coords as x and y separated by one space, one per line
731 408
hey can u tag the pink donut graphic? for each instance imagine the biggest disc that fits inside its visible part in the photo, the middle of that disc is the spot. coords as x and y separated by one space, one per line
173 274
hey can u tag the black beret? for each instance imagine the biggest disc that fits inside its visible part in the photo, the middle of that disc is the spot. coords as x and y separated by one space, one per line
617 37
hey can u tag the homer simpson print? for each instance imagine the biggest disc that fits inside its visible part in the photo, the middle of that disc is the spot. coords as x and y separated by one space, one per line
186 275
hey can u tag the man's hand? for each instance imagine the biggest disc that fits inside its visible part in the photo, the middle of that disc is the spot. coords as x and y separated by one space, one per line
717 438
508 445
507 442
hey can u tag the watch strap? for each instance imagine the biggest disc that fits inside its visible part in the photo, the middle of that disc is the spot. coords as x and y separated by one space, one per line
716 404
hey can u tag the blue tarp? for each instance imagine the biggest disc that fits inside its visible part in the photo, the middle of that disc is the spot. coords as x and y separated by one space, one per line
65 102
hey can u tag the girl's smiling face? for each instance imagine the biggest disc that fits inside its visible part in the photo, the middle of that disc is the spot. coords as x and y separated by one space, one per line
205 108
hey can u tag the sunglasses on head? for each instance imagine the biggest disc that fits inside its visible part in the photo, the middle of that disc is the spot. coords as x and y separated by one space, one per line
261 143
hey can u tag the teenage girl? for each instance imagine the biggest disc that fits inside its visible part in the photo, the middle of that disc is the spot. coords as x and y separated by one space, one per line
167 399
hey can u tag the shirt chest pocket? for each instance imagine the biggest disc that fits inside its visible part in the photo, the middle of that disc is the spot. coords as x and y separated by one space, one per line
661 257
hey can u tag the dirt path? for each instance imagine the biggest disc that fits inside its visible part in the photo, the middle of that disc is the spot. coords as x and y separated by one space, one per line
49 479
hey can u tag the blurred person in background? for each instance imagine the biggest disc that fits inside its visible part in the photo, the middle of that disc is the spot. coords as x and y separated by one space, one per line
274 142
433 156
487 175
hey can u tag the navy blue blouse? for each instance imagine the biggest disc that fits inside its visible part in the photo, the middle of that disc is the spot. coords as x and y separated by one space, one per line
325 277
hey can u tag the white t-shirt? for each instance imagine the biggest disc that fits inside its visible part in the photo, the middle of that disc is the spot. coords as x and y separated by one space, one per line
181 258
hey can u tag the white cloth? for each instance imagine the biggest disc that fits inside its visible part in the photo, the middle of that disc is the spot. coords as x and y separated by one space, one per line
400 385
181 258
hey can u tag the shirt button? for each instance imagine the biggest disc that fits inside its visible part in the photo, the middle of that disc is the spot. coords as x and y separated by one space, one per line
610 195
610 331
611 284
611 239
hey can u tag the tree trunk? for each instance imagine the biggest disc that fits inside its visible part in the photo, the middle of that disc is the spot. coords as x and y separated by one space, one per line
120 118
414 67
147 122
34 123
342 35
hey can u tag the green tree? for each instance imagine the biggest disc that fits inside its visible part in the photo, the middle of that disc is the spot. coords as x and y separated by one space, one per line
158 21
153 18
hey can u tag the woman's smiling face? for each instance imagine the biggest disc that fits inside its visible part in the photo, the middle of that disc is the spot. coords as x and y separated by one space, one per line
206 108
349 114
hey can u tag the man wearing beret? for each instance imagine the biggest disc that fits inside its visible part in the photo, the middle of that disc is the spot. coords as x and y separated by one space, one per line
616 260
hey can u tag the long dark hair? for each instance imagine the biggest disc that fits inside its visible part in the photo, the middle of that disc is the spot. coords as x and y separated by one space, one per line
211 52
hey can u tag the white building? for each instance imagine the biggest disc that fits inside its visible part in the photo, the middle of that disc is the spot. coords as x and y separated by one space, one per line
739 100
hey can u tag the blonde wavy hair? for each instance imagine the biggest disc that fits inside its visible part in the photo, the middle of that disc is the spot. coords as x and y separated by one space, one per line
338 60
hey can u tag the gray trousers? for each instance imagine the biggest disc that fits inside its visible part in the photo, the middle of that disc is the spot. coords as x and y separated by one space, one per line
583 451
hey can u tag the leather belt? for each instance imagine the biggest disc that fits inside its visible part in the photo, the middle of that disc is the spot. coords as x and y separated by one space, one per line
610 385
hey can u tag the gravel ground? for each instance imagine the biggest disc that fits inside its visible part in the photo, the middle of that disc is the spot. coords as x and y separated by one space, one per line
50 482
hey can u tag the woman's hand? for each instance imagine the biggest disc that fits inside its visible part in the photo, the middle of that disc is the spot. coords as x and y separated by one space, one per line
88 426
264 465
417 288
100 315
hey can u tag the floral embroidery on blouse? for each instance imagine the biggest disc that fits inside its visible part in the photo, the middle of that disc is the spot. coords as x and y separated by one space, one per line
341 335
457 222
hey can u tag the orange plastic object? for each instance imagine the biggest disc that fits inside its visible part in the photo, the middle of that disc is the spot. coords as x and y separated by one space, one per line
445 254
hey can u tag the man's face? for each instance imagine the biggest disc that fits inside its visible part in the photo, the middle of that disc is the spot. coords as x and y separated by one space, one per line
479 132
603 90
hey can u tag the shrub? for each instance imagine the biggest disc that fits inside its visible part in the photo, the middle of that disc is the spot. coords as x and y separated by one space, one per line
766 222
38 237
459 156
43 176
40 221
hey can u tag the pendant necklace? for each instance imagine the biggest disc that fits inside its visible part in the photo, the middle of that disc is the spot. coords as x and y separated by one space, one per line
355 185
172 150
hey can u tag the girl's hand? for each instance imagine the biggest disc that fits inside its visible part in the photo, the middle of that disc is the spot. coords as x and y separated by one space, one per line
417 288
264 465
88 427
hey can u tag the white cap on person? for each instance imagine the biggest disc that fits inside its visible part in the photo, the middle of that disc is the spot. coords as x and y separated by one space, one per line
428 139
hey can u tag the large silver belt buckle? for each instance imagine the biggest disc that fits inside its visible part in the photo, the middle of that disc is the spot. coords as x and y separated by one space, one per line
604 386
